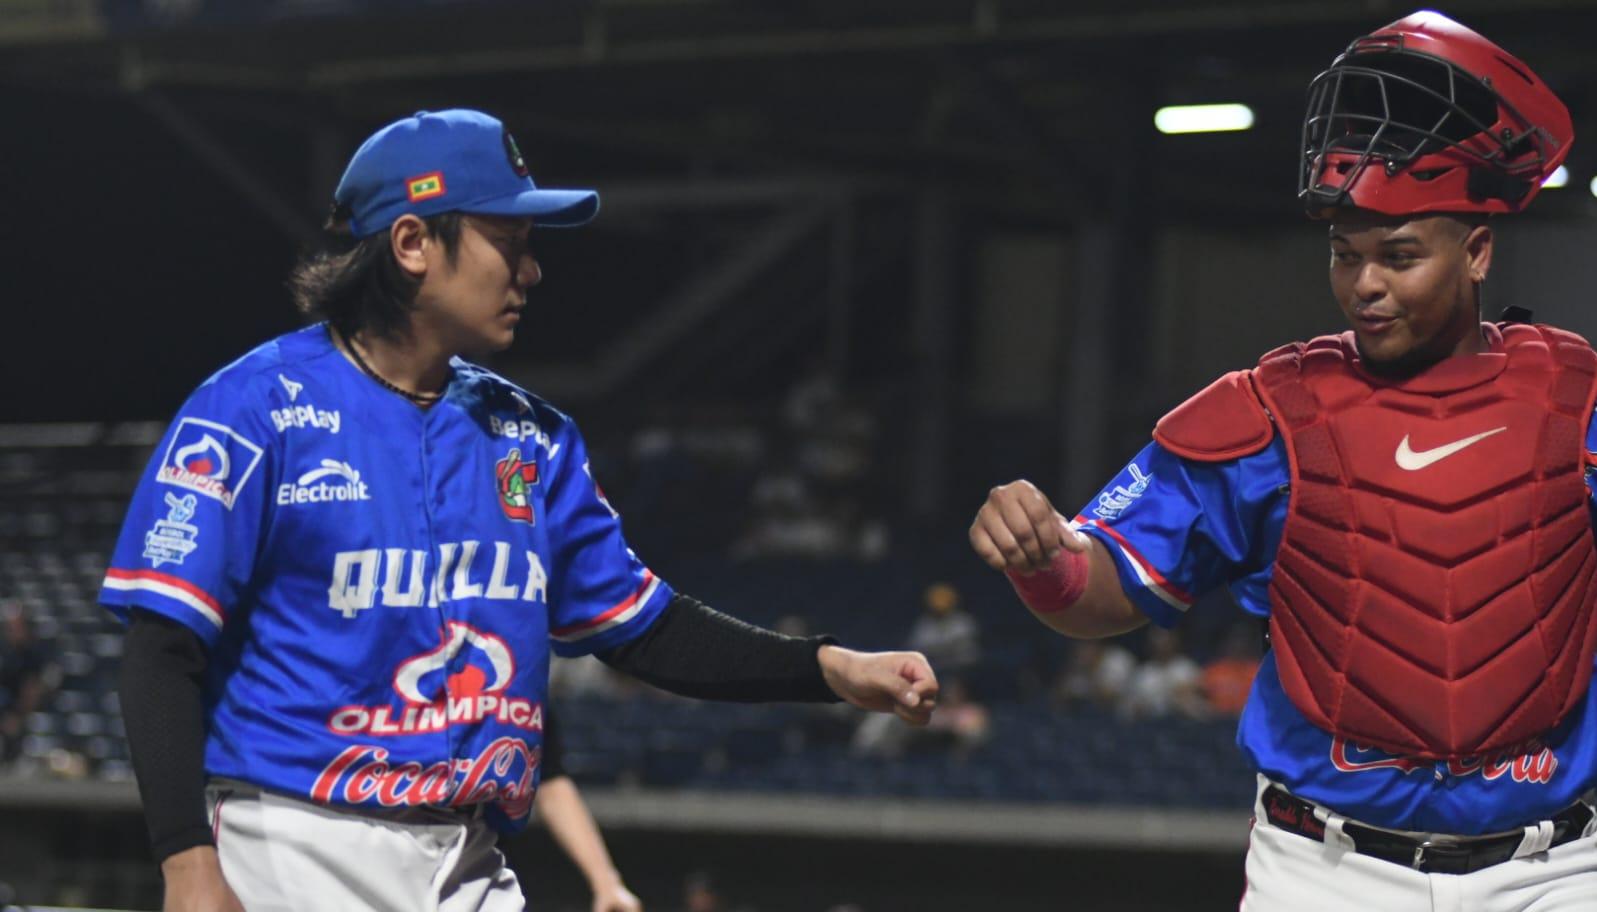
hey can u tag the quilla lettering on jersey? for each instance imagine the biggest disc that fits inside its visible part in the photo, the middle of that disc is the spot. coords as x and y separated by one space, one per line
408 574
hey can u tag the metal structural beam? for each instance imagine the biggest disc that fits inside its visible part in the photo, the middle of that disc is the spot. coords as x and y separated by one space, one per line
935 282
677 316
604 42
263 195
675 810
840 290
1088 373
628 198
1068 177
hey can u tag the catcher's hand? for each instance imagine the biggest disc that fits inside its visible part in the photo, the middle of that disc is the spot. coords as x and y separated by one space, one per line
1019 529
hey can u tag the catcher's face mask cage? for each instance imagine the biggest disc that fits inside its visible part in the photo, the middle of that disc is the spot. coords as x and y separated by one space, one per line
1401 131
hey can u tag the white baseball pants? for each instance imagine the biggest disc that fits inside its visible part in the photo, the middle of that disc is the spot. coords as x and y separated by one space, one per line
1291 873
281 854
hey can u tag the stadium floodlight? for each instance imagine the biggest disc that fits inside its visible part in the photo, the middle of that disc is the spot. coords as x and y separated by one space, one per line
1204 118
1557 179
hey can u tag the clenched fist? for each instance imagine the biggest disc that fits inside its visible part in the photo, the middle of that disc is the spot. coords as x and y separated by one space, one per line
1019 529
901 683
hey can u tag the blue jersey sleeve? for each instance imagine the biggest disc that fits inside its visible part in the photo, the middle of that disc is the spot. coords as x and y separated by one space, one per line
1179 528
1591 475
188 544
600 595
1591 468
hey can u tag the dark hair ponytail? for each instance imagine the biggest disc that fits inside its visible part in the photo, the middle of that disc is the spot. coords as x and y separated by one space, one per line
356 285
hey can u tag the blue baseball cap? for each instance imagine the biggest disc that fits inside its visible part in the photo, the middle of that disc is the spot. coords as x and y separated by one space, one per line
449 161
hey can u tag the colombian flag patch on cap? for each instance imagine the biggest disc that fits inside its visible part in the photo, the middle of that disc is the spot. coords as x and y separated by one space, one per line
425 187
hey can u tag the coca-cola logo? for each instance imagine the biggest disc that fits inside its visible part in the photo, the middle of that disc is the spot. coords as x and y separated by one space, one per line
1531 762
504 773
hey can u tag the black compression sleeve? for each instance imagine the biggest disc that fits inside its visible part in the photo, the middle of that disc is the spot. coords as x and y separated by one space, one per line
554 746
163 711
695 651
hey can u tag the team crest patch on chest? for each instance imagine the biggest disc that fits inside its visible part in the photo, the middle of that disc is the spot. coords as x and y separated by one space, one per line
515 478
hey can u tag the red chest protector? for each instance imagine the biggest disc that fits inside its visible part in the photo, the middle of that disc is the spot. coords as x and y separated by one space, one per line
1433 592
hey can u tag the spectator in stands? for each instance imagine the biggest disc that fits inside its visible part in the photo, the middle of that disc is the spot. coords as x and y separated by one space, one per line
23 667
1228 679
788 519
812 500
691 460
944 632
589 677
878 740
560 806
699 894
813 724
793 625
1098 677
961 724
830 433
1166 683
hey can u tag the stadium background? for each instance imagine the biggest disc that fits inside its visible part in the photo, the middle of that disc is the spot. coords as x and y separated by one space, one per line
856 264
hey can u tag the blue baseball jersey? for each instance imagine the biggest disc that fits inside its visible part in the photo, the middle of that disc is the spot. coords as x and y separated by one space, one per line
1179 528
378 585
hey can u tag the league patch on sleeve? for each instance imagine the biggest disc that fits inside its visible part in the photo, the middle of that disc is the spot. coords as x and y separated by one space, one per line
172 539
209 458
1113 502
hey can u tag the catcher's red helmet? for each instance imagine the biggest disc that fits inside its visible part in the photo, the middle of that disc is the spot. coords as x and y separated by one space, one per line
1425 115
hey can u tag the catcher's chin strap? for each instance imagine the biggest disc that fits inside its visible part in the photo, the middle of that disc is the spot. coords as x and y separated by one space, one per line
1485 182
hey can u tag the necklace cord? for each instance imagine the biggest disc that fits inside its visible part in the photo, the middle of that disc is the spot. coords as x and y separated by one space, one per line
419 398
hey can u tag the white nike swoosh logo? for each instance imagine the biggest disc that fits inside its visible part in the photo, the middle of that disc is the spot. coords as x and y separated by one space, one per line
1412 461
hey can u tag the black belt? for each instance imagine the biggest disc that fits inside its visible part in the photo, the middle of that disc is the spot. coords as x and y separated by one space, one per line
1454 856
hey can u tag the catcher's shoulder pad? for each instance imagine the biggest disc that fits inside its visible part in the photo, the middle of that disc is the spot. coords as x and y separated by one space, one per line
1226 420
1570 349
